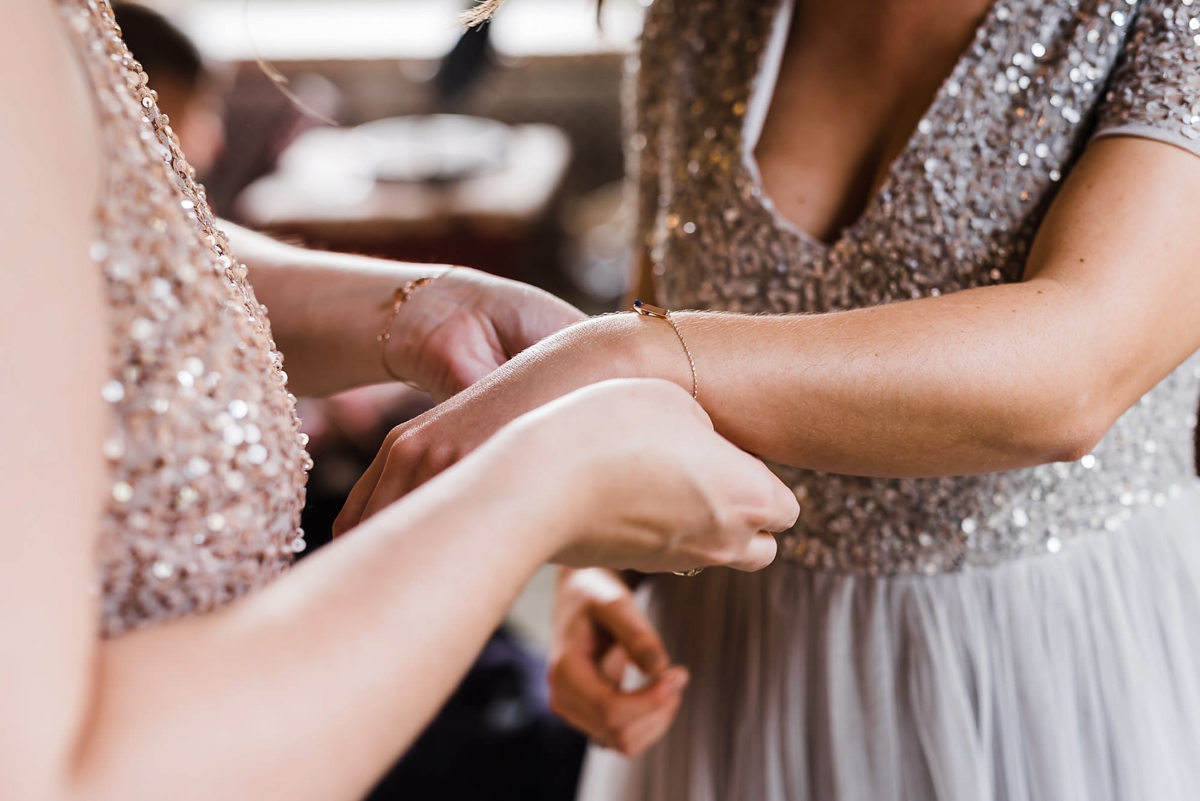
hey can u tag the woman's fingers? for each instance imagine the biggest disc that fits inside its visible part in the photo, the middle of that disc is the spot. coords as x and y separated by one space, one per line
582 697
397 478
613 664
639 735
636 635
772 505
760 552
352 511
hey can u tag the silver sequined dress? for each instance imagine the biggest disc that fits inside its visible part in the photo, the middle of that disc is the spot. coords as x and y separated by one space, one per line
207 462
1032 634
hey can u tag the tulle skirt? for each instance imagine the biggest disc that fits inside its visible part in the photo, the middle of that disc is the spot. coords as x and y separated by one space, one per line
1073 677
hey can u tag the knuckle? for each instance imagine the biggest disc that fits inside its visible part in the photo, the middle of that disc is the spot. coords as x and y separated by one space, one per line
404 448
441 455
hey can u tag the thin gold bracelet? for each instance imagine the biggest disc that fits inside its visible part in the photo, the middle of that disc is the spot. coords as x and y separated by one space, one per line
399 298
647 310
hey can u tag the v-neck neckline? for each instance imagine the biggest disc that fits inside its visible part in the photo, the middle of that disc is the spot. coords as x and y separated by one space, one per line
762 98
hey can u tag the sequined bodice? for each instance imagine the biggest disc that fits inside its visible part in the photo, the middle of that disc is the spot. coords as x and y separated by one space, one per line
959 209
207 461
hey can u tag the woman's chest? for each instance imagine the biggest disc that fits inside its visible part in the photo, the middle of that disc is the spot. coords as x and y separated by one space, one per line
853 81
958 206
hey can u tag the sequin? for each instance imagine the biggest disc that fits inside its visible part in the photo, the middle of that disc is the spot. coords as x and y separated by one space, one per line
958 209
188 340
256 454
234 435
113 391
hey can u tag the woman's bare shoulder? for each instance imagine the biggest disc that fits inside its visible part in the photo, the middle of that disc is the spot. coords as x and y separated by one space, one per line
45 103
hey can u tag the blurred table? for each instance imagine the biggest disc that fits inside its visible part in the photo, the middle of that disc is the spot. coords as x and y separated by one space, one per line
439 188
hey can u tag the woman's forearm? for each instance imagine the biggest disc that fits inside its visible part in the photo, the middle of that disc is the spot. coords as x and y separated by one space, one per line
985 380
988 379
308 689
326 308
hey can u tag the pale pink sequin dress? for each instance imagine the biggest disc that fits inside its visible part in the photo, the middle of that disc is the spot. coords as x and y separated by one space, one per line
206 457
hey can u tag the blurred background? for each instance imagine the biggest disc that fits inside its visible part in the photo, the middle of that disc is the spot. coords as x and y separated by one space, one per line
382 127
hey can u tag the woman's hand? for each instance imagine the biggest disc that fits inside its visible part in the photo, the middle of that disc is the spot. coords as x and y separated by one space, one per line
599 349
599 633
637 478
327 310
465 324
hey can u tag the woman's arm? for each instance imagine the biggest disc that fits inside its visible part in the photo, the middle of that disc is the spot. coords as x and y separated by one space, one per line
983 380
328 308
309 688
987 379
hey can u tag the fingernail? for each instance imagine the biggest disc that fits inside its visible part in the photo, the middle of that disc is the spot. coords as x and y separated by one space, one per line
676 681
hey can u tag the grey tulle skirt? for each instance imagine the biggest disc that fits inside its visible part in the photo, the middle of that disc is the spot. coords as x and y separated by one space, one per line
1073 677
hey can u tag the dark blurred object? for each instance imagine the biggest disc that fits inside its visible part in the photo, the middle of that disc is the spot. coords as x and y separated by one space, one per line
186 91
495 740
464 65
161 48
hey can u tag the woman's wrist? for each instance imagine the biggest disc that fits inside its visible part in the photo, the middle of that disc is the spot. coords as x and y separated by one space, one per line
521 456
326 310
398 353
629 345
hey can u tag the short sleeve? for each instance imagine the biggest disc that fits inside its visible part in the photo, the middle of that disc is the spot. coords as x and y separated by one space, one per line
1154 91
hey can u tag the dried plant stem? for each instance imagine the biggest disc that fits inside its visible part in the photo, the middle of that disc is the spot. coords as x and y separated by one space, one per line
482 12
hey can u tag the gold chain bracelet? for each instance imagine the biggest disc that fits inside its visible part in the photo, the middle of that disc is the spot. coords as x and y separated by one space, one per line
399 298
647 310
